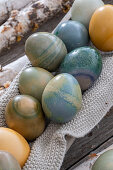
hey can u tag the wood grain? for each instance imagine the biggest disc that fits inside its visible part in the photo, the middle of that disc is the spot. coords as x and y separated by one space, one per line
89 160
17 50
83 146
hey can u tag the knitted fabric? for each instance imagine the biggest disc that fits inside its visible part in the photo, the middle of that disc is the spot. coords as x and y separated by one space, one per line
48 151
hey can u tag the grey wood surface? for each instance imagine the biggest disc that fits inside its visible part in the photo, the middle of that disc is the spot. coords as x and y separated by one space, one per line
17 50
82 147
86 163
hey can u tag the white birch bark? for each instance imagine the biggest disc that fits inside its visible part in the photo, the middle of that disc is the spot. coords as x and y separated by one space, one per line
6 6
11 70
20 22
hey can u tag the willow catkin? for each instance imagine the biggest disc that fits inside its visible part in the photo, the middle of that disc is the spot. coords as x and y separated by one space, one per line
20 22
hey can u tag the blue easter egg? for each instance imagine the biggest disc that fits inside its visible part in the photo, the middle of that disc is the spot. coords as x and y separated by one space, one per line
73 34
62 98
85 64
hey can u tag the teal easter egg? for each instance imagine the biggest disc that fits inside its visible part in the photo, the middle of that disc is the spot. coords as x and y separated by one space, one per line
73 34
33 80
85 64
62 98
45 50
104 162
82 10
8 162
24 114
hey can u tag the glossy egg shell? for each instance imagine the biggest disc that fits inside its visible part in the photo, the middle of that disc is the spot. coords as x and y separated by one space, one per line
33 80
85 64
82 10
62 98
104 162
8 161
24 114
14 143
45 50
73 34
101 28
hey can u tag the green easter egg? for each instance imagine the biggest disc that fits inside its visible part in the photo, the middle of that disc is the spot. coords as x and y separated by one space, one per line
45 50
24 115
85 64
104 162
33 80
8 162
62 98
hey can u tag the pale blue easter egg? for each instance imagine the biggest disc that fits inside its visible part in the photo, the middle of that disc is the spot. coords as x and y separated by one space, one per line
73 34
62 98
82 10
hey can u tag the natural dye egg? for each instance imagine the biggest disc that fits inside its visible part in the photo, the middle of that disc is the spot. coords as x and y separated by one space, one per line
8 161
33 80
101 28
62 98
24 114
85 64
14 143
73 34
104 162
82 10
45 50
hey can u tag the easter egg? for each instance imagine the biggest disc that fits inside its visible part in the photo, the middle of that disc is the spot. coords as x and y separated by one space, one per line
82 10
14 143
33 80
85 64
73 34
45 50
24 115
8 162
100 28
62 98
104 162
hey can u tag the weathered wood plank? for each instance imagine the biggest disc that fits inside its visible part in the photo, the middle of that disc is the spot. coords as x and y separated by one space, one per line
83 146
17 50
88 161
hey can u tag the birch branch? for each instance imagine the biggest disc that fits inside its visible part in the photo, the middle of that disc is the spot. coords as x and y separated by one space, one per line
8 73
6 6
30 17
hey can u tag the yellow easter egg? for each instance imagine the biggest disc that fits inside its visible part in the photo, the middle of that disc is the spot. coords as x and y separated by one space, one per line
14 143
101 28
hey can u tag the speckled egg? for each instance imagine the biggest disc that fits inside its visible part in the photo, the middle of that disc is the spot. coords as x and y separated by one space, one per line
82 10
101 28
85 64
73 34
24 114
14 143
62 98
8 162
33 80
104 162
45 50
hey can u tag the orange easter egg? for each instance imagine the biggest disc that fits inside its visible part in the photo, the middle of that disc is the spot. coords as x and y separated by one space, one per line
101 28
14 143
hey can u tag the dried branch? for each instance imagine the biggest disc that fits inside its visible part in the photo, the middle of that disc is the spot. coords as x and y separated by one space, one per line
7 6
30 17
